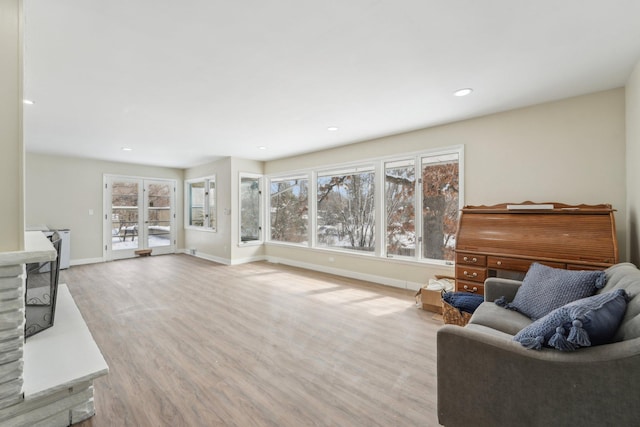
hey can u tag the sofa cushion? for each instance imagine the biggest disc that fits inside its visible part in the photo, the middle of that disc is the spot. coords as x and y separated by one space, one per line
490 315
626 276
582 323
545 288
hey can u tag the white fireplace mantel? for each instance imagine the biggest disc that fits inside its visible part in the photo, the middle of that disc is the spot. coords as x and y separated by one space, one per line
49 380
37 249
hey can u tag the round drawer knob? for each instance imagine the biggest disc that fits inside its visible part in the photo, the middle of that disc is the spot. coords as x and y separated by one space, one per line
499 262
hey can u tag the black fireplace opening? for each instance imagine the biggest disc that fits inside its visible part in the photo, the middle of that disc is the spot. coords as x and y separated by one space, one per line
40 295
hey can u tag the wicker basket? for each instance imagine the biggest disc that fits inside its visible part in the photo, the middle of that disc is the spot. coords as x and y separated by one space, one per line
453 316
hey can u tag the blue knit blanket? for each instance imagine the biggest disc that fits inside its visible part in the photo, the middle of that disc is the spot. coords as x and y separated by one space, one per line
463 301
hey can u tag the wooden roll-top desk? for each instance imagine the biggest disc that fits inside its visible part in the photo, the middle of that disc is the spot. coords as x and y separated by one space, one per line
505 239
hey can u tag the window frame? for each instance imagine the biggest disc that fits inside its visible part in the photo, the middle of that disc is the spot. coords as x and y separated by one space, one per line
352 169
289 177
261 214
207 211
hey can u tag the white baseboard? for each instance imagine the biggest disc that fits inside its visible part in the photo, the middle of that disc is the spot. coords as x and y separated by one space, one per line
381 280
208 257
248 260
84 261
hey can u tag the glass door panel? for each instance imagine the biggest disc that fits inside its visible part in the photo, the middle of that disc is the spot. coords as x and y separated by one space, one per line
159 201
125 217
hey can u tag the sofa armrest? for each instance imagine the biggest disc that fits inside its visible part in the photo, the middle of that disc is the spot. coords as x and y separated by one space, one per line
495 288
486 378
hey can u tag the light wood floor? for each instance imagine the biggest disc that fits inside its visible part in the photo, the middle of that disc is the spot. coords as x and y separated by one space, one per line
195 343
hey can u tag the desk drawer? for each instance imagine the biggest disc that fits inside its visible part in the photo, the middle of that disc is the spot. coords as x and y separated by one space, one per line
474 274
513 264
471 287
471 259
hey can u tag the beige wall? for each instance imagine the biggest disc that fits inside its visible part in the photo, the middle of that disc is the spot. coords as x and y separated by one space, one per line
11 148
224 245
214 245
60 191
570 151
633 164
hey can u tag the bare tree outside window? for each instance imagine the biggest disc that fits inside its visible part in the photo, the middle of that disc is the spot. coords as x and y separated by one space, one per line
346 211
289 202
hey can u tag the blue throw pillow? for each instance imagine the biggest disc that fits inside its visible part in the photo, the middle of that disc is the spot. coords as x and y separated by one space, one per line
583 323
545 288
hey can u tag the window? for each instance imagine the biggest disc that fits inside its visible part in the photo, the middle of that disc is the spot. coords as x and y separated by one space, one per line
437 192
400 196
346 209
288 210
201 203
440 205
250 218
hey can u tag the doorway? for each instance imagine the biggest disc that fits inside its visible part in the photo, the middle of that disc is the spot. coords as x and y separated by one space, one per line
139 214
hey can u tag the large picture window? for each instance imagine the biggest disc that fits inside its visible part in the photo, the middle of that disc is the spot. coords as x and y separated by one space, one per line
417 207
346 209
201 203
288 210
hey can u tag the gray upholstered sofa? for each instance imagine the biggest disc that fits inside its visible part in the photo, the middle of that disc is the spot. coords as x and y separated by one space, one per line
487 379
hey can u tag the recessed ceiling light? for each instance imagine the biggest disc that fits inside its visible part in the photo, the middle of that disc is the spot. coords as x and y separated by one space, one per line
28 102
127 149
463 92
262 147
332 128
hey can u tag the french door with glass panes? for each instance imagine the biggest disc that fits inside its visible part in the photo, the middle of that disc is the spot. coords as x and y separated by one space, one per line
139 214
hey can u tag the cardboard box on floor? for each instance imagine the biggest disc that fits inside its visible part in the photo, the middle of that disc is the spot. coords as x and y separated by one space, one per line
431 300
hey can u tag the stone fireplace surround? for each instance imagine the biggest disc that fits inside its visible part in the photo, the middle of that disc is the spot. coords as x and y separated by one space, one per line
47 380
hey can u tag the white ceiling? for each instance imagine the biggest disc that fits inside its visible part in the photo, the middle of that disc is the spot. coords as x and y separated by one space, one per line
185 82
